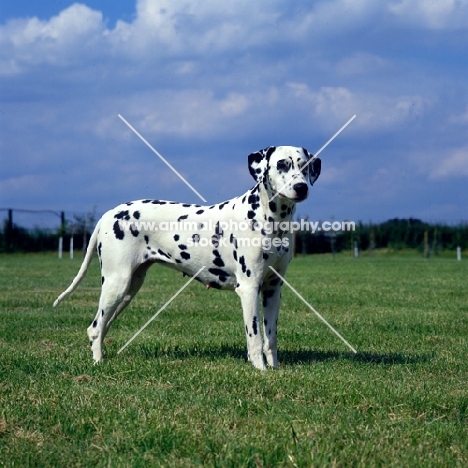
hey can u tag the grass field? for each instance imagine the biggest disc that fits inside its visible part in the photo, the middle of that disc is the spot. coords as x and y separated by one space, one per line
182 394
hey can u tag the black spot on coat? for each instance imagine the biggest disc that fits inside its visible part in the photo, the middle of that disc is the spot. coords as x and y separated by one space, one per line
218 261
119 234
220 273
122 215
219 232
164 254
242 262
267 295
254 325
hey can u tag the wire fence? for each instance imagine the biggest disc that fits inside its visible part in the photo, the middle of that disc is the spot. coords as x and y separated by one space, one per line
25 230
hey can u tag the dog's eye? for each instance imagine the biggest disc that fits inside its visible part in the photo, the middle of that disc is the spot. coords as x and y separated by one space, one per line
283 165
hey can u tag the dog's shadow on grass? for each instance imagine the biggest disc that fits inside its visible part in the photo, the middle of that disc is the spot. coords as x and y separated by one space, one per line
286 357
297 357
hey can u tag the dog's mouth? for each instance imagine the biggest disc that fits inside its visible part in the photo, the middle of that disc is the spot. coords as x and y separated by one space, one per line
299 199
295 199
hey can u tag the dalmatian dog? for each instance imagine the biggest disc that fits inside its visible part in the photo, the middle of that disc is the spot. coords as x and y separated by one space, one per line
236 242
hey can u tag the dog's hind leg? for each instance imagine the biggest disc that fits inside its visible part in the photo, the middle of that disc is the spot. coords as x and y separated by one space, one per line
116 294
113 293
138 278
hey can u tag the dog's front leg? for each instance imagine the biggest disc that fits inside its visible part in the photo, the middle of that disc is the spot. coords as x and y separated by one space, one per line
248 294
271 303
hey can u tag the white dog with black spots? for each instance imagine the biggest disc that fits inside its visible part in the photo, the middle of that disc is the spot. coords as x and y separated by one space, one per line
234 258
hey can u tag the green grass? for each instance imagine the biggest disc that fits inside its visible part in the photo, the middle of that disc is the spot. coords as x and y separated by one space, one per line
182 393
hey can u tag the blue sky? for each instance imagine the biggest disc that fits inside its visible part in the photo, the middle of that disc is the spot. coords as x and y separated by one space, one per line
208 82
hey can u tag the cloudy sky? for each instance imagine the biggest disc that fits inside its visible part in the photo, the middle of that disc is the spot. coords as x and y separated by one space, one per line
208 82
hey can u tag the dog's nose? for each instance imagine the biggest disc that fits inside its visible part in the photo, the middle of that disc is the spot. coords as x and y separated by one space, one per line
301 190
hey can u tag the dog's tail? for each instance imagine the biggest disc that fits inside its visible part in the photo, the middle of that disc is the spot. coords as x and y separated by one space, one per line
84 266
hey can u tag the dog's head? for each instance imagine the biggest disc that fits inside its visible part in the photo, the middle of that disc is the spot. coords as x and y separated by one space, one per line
285 169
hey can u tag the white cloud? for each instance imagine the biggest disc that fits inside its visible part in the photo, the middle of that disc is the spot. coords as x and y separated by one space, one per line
334 105
440 14
455 164
359 63
32 184
234 104
65 39
192 28
460 119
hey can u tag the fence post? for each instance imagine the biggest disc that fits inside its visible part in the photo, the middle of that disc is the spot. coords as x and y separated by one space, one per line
62 229
459 253
356 250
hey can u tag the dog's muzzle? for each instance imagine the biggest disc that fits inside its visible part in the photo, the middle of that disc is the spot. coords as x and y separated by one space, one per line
301 190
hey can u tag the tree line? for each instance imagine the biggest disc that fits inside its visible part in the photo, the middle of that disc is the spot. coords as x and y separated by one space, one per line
395 234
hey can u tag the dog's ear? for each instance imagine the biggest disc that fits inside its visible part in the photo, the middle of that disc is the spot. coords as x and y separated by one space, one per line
314 167
258 162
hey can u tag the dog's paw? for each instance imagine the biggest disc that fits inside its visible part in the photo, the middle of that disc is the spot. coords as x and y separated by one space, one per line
260 366
271 359
258 362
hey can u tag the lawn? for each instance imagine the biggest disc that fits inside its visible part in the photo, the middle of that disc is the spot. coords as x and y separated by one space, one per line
182 394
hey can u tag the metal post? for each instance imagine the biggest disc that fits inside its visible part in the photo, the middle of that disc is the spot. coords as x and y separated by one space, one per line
85 235
62 230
